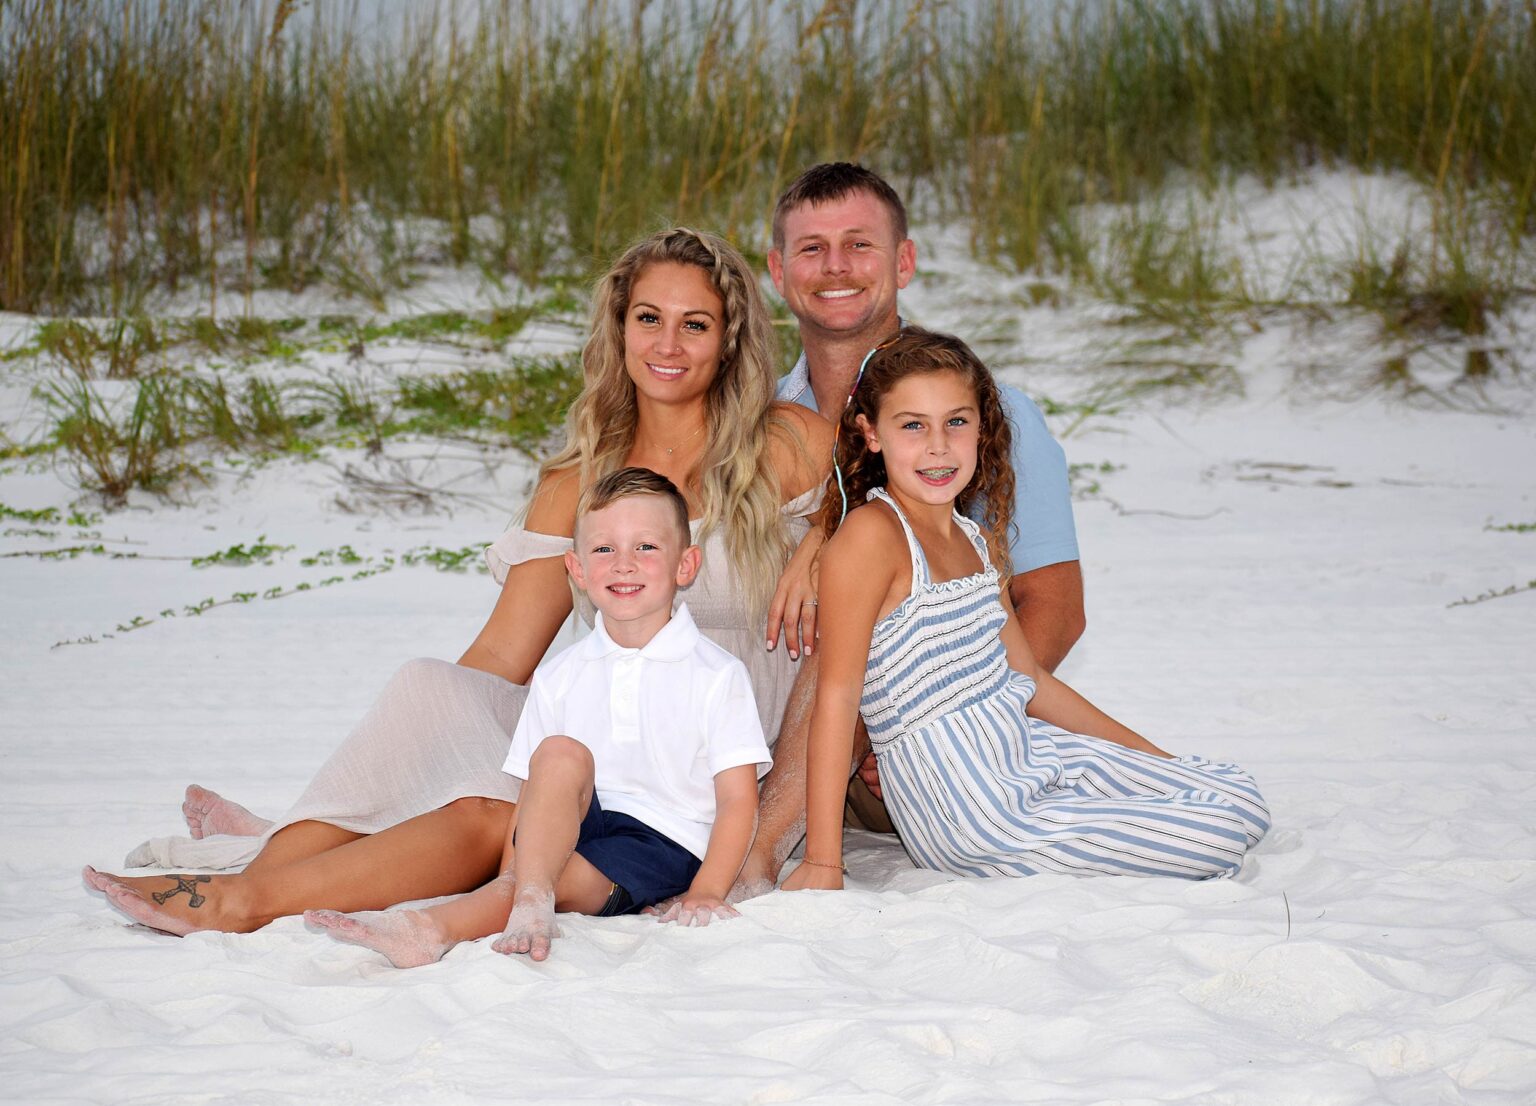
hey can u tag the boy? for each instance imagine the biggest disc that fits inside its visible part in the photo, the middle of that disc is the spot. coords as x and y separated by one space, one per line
640 749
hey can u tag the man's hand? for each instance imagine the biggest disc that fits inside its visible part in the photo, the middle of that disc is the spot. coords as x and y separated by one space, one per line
692 909
870 774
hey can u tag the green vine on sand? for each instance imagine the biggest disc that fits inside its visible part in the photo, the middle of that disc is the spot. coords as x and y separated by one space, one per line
444 560
1495 593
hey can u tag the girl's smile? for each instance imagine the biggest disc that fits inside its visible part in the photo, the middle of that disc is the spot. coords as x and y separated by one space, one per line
927 433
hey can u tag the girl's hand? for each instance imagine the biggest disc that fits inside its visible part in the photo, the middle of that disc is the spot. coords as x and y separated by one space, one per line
794 601
696 910
815 877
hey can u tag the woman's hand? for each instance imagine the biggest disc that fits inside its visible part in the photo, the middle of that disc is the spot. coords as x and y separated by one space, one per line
793 609
815 877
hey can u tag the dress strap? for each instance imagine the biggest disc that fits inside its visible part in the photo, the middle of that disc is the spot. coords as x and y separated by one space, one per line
920 573
978 542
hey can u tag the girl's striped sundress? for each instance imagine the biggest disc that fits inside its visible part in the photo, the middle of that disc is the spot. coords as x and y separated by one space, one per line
976 787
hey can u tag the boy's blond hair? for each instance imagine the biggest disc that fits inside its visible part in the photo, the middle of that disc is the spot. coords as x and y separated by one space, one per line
626 482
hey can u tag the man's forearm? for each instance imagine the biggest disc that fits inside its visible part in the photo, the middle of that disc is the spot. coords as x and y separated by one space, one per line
781 799
1049 604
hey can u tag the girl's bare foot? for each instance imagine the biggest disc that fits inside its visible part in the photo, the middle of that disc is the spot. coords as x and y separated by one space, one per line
531 926
208 812
408 938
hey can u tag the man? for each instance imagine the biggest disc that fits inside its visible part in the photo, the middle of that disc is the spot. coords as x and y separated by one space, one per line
840 255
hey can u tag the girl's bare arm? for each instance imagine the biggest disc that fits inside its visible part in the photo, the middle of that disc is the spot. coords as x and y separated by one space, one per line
859 566
1058 704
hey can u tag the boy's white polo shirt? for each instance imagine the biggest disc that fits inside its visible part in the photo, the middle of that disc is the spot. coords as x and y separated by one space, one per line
661 721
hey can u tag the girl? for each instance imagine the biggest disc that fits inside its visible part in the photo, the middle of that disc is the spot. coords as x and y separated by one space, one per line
990 765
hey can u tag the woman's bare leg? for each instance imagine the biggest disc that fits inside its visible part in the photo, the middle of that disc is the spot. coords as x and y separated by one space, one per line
411 938
300 842
442 852
539 875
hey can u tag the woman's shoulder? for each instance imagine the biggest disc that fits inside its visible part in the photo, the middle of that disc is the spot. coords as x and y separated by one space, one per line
552 507
800 447
807 423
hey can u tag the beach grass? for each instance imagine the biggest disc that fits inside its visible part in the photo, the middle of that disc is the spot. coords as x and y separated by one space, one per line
263 143
158 433
267 144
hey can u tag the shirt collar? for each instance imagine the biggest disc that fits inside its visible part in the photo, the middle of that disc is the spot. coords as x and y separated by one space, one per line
796 385
673 642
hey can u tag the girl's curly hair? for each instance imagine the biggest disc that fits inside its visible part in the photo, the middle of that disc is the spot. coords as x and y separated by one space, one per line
913 351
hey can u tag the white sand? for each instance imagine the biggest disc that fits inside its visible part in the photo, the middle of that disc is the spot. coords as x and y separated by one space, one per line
1268 582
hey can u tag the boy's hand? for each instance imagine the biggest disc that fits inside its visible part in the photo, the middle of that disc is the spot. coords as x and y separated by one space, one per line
697 910
815 877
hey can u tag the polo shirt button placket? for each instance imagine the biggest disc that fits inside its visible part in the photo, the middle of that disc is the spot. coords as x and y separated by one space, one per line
624 698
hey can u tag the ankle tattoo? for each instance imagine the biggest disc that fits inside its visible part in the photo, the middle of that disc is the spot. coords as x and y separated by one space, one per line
187 884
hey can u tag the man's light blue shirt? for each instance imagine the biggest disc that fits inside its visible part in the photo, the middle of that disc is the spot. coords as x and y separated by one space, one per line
1043 532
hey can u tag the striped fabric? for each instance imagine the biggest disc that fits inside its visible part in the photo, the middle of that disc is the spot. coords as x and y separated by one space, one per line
976 787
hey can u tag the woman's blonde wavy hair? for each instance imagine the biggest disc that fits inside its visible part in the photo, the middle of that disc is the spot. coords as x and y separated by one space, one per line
735 482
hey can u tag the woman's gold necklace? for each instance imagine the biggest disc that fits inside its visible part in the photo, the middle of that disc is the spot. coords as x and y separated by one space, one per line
669 450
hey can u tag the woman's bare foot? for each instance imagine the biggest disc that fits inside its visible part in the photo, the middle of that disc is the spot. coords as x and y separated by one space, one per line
176 904
208 812
531 926
408 938
148 907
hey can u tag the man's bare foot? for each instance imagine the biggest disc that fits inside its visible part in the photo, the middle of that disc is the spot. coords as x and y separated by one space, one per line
530 927
407 938
208 812
155 901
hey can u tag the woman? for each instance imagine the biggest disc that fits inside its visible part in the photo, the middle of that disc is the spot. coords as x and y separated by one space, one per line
678 377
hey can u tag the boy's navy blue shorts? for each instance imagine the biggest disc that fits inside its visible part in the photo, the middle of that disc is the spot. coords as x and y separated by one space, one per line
644 866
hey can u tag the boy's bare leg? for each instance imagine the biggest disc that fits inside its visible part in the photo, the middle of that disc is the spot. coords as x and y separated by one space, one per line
208 812
548 874
407 938
411 938
442 852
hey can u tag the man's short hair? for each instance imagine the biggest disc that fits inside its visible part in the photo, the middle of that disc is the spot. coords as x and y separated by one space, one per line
632 481
835 180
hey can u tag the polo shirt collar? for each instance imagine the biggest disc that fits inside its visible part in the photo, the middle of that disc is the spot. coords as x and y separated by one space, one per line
796 385
673 642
